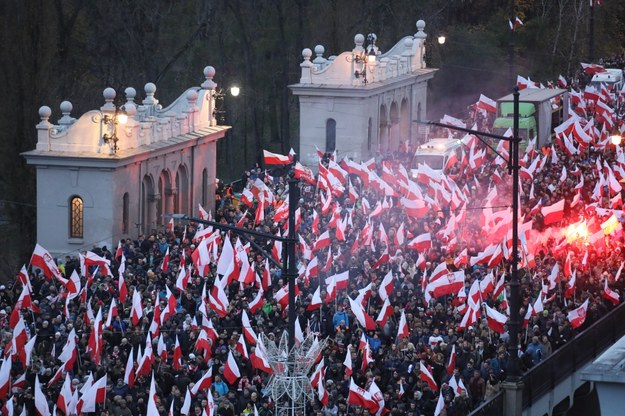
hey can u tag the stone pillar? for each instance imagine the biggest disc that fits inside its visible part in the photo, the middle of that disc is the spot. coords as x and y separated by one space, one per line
513 397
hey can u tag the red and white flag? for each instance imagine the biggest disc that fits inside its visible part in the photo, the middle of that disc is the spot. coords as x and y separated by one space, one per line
41 403
94 395
348 361
231 369
553 213
275 158
137 309
205 382
421 242
495 319
452 361
487 104
363 318
577 316
361 397
387 285
610 295
426 376
403 331
42 259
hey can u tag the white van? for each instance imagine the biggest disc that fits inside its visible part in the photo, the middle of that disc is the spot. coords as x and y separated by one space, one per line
435 153
612 77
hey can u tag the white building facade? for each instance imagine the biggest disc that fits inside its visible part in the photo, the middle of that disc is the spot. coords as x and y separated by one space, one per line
362 102
101 177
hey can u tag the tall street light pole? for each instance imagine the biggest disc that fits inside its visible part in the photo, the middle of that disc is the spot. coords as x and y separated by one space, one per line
289 268
513 370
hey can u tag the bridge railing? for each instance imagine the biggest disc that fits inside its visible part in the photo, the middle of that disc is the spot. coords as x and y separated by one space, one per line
573 355
569 358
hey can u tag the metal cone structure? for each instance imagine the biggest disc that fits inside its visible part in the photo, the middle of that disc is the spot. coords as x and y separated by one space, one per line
289 385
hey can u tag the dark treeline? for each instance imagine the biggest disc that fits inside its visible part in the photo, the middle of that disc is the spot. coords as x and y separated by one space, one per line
55 50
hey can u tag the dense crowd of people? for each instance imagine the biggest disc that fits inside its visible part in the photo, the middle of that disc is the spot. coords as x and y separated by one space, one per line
368 211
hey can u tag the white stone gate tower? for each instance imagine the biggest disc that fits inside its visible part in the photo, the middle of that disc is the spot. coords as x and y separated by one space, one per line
362 102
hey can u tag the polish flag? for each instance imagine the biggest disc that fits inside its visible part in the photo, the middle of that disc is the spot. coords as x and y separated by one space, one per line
316 301
122 289
170 226
5 377
367 358
170 309
341 280
577 316
137 310
570 286
257 303
42 259
415 208
610 295
387 285
65 396
259 358
41 403
348 361
440 405
330 289
426 375
495 319
450 284
282 297
363 318
203 214
361 397
487 104
248 331
403 330
322 394
186 405
275 158
385 313
231 369
96 394
553 213
165 263
318 374
129 373
205 382
241 348
452 361
322 242
177 359
500 286
152 408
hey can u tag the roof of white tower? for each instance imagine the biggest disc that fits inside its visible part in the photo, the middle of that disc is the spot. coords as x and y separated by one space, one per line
365 67
149 126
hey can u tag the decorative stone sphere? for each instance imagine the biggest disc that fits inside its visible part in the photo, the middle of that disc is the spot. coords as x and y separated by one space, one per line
420 24
319 50
150 88
109 94
131 109
131 93
192 95
306 53
45 112
359 39
66 107
209 72
408 43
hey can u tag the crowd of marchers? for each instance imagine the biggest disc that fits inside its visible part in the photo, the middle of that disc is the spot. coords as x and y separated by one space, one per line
402 269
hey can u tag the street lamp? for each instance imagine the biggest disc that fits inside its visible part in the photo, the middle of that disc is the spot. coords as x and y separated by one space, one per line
616 139
441 39
514 368
289 268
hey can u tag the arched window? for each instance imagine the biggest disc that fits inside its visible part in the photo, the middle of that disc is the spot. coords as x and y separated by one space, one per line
330 135
76 217
125 213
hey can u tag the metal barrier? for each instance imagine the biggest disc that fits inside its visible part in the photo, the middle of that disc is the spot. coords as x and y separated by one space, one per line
492 407
573 355
569 358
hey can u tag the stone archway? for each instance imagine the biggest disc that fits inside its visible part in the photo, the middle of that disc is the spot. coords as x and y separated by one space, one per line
149 202
383 136
182 187
394 127
167 192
